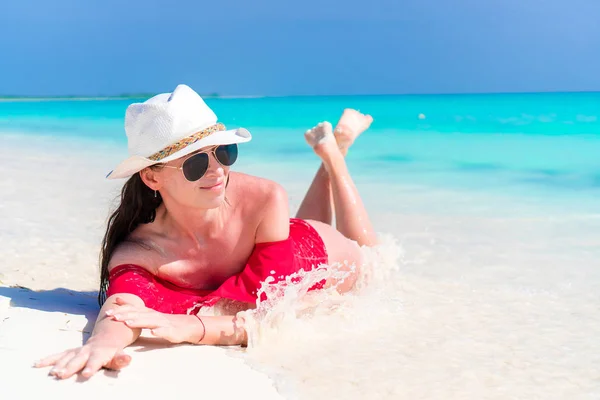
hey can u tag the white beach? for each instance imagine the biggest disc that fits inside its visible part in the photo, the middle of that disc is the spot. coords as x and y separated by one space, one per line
490 298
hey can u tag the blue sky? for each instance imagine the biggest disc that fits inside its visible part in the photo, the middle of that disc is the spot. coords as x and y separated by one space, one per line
277 47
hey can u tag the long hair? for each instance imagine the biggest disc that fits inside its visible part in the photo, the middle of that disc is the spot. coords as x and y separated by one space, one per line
137 206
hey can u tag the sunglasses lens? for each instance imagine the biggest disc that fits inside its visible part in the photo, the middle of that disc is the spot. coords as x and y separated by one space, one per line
195 167
227 154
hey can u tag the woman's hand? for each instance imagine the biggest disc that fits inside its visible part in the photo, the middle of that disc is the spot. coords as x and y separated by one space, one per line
173 328
91 357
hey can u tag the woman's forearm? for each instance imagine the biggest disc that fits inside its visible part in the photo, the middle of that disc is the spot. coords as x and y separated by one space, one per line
221 330
111 331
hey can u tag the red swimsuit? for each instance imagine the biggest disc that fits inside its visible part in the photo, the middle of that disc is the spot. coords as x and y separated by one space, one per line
304 249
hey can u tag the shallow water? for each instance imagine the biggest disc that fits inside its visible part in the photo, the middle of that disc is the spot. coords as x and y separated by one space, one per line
439 323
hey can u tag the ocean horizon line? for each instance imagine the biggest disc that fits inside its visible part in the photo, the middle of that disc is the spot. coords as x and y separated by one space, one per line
8 98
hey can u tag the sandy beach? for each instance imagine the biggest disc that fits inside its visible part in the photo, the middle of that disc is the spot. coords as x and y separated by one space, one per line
36 323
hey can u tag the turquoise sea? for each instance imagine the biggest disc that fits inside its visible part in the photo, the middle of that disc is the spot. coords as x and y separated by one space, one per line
543 144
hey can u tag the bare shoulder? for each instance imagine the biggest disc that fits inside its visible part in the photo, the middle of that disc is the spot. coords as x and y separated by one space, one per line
133 252
257 191
268 201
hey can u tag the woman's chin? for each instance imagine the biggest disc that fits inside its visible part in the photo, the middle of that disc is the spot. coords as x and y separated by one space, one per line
214 200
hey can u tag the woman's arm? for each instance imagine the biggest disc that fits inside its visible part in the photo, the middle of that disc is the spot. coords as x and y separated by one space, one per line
275 221
179 328
106 329
222 330
103 349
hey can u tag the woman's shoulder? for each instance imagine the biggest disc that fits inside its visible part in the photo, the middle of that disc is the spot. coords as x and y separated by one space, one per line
260 189
133 252
247 180
265 202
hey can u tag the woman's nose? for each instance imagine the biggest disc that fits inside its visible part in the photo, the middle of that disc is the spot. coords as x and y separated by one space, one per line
214 165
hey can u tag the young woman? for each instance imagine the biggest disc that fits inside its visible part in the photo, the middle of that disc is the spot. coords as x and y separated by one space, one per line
189 232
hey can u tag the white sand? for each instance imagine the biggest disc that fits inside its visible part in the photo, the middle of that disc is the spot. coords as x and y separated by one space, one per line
47 322
491 299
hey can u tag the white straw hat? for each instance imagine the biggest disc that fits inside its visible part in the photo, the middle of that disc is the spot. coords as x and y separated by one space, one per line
168 126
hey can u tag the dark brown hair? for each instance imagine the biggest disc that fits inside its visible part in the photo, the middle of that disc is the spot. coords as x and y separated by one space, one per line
137 206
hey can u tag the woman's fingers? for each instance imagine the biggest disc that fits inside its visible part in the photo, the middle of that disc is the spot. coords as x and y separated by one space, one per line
163 333
134 317
143 320
88 360
123 309
119 361
94 364
50 360
124 316
119 301
59 369
75 365
167 334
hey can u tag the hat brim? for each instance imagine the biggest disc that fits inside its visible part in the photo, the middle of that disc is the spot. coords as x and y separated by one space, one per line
135 164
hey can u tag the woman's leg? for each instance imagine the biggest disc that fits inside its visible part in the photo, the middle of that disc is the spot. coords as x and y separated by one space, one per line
318 203
353 224
351 124
352 219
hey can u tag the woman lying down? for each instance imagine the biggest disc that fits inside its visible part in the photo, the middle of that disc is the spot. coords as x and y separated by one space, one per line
190 232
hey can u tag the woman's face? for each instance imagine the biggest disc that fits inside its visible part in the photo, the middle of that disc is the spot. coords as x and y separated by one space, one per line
183 182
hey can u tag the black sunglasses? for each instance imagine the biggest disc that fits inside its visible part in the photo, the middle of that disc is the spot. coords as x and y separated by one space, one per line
196 165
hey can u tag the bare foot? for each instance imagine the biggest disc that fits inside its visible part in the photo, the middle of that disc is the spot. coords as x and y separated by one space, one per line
319 134
351 124
321 139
